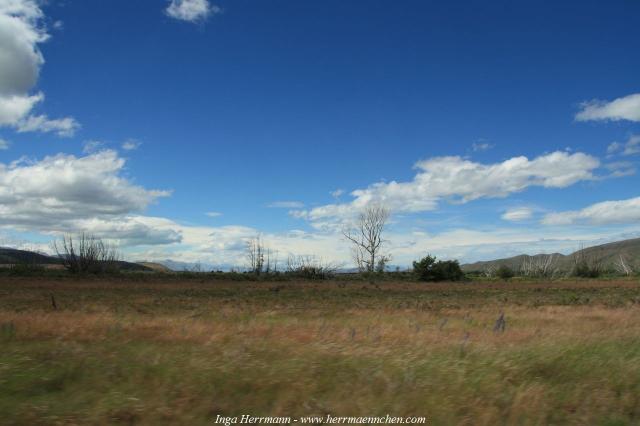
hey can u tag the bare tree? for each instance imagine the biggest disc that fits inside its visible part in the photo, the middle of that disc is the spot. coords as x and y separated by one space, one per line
622 266
260 257
541 266
255 254
366 237
588 263
490 271
86 254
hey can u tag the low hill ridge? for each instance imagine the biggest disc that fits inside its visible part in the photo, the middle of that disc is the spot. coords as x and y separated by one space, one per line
607 254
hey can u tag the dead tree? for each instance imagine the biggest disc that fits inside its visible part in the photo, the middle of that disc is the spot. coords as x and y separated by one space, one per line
541 266
588 263
623 267
86 254
366 237
256 255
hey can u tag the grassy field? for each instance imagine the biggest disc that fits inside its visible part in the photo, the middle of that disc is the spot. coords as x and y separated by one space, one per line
164 351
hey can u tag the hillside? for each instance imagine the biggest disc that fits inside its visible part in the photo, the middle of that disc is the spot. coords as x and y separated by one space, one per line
607 254
10 256
13 256
157 267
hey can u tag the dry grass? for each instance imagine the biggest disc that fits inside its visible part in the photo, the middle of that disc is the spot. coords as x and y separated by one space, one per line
165 352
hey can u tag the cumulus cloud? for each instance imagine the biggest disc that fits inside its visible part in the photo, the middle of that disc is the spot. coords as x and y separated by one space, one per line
13 108
21 32
286 205
226 245
59 192
128 230
191 10
518 214
603 213
458 180
625 108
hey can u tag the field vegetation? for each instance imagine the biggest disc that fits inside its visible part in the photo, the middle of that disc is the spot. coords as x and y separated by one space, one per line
155 349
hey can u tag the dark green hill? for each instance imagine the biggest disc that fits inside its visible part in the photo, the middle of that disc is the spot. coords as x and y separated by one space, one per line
10 256
14 256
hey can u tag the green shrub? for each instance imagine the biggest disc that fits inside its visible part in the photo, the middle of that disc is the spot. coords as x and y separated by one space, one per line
26 268
428 269
423 269
505 272
583 269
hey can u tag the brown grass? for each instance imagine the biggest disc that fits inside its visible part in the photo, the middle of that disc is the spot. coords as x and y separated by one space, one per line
166 352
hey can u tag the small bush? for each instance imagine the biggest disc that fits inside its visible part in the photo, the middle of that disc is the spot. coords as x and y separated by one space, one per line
310 268
428 269
504 272
583 269
587 265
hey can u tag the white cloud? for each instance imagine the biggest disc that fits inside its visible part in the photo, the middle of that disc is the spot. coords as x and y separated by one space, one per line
65 127
518 214
481 146
64 193
603 213
337 193
89 147
13 108
191 10
4 145
621 168
625 108
614 147
459 180
21 31
58 192
226 244
286 205
630 147
213 214
131 145
130 230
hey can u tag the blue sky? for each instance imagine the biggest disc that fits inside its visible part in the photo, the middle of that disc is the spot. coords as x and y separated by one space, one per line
504 125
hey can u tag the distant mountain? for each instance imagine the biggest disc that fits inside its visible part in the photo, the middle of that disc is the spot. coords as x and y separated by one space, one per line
10 256
157 267
178 266
606 254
